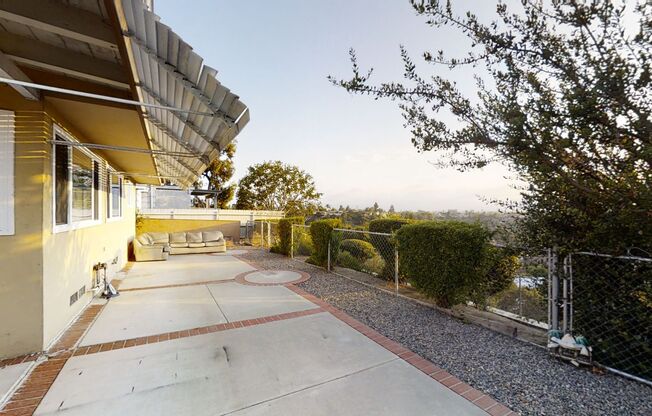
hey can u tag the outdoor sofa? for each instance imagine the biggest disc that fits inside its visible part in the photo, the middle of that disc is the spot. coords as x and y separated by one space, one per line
157 246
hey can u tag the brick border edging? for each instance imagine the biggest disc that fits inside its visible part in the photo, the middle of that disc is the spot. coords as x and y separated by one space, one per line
481 400
34 387
205 282
166 336
28 396
26 399
242 278
26 358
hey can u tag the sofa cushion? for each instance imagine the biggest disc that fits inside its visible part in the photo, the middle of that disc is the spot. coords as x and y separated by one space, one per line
179 245
159 238
145 239
194 237
177 238
214 243
212 236
196 245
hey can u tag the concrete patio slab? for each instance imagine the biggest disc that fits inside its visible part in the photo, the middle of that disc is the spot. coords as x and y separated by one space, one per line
215 373
272 276
393 388
10 375
239 302
183 269
154 311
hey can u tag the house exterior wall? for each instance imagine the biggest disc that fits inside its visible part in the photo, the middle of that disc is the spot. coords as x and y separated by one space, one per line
21 254
69 256
40 269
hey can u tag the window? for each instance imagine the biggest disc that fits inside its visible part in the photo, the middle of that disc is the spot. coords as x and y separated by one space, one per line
6 172
115 196
96 190
61 180
76 175
82 186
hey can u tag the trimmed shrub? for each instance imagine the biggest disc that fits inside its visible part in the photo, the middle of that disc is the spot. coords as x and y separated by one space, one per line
385 245
303 242
374 265
444 259
500 268
387 225
321 232
346 259
284 245
360 249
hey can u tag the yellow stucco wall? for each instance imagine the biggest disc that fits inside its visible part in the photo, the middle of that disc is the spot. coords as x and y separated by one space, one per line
69 256
39 269
21 254
230 229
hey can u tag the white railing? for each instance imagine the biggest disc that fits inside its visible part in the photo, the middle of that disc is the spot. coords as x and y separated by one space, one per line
241 215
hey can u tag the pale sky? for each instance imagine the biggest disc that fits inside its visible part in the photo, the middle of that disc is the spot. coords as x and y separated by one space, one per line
276 56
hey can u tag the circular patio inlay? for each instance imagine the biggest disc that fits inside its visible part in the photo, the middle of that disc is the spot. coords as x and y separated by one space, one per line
273 277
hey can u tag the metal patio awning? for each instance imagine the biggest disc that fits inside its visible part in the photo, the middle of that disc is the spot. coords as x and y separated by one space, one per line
168 73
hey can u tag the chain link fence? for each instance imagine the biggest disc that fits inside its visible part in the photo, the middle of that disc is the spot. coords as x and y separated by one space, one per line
368 252
301 241
517 286
263 234
602 301
608 301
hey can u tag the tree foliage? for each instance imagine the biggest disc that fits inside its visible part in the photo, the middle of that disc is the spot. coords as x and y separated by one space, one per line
278 186
563 97
218 174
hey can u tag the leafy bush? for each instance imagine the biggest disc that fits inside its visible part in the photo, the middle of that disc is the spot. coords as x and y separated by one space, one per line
612 308
284 245
532 305
321 232
360 249
445 260
374 265
385 245
500 268
303 242
346 259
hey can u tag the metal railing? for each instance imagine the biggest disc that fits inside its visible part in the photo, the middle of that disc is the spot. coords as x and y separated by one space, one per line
211 214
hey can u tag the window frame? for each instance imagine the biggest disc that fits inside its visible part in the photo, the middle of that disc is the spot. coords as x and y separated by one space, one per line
8 174
110 172
72 225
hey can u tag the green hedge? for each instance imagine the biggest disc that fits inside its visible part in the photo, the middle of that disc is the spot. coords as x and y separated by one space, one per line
360 249
321 232
446 260
385 245
500 268
284 245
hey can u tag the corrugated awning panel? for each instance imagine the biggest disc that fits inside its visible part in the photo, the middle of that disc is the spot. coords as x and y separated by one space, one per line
169 72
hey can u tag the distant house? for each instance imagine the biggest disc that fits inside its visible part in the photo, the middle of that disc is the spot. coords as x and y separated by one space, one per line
95 97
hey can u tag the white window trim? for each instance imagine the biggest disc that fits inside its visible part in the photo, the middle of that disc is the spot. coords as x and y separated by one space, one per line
109 196
60 228
7 161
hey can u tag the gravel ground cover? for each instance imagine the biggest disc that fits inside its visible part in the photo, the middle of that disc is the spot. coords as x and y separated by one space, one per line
520 375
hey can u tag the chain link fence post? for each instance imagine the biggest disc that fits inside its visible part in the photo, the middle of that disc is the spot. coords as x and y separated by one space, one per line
396 269
328 265
269 234
553 291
